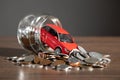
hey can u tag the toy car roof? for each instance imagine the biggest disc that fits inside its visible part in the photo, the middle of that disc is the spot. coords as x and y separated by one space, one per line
58 29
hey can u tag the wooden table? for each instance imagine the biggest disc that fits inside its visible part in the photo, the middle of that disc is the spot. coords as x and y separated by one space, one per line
106 45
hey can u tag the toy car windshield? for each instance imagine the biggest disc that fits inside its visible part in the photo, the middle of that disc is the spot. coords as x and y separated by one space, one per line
65 38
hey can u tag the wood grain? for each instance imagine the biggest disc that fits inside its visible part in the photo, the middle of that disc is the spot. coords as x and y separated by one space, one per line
106 45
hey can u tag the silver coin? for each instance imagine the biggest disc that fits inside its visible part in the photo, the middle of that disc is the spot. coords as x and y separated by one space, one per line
73 60
98 66
77 68
29 58
12 58
95 55
91 60
20 59
64 67
82 50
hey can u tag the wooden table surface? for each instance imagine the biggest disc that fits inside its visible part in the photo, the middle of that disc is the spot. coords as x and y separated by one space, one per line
106 45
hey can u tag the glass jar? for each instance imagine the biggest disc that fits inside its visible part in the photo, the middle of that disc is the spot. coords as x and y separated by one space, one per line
29 31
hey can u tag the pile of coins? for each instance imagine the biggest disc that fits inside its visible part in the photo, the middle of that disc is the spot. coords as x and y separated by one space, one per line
54 61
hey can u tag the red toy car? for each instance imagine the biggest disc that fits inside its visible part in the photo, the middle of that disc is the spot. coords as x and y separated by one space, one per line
57 38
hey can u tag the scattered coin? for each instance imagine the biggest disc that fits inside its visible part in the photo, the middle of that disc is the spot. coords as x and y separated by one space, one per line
58 62
45 61
19 59
12 58
91 60
73 60
95 55
29 58
36 60
42 55
64 67
24 63
76 64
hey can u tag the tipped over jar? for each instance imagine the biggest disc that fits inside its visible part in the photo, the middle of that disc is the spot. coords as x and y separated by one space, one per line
29 31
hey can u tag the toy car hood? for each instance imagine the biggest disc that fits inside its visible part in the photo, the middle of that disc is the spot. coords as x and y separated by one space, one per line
69 46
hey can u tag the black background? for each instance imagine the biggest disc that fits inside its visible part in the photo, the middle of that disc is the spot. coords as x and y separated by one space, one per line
79 17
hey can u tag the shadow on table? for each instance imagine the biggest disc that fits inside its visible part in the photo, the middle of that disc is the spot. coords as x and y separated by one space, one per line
7 52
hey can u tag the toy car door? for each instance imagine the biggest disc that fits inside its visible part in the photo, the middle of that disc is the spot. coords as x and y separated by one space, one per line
50 37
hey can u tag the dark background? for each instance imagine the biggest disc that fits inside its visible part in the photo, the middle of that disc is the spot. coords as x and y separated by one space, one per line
79 17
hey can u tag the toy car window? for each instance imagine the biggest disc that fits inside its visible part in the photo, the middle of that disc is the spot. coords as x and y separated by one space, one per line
47 28
65 38
51 31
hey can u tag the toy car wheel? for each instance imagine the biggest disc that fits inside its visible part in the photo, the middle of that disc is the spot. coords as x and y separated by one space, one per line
57 51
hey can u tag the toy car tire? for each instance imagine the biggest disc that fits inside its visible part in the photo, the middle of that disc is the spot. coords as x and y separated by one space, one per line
58 50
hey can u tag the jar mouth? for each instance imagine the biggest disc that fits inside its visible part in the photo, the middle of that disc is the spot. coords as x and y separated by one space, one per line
29 30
